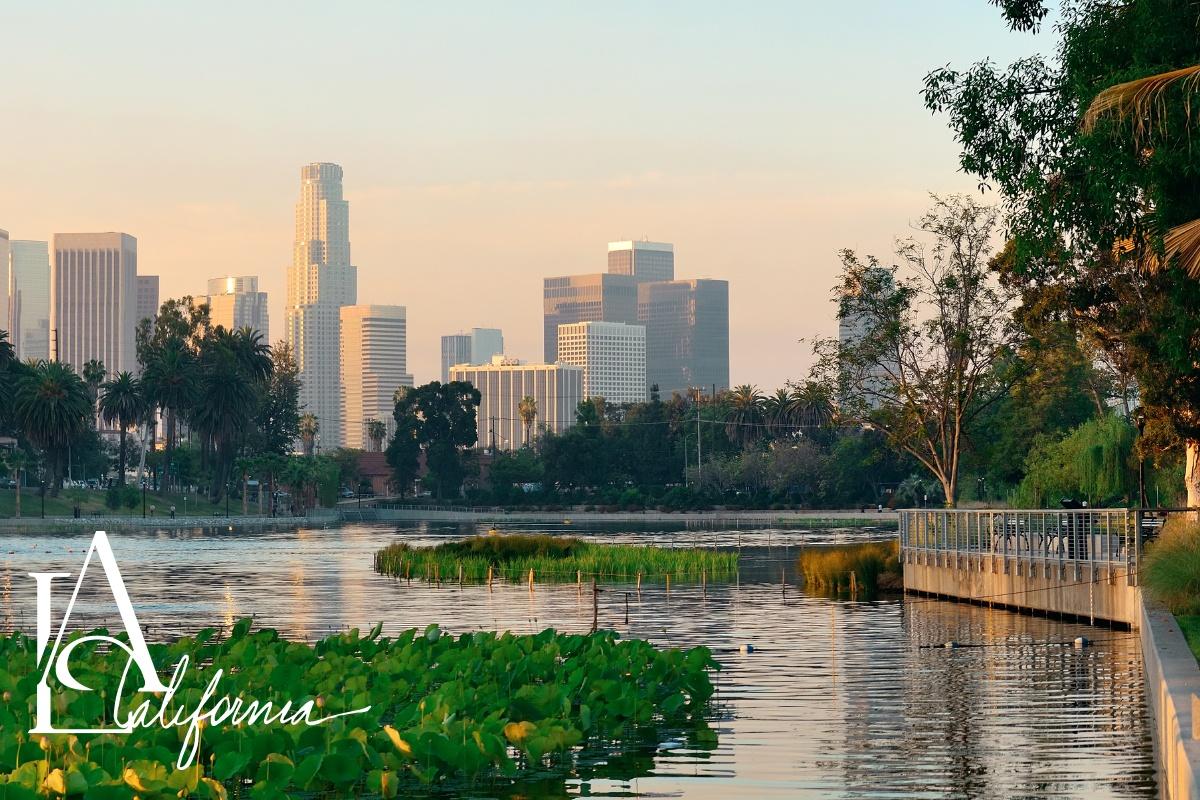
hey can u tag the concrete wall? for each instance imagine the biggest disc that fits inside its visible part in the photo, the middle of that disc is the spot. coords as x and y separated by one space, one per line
1173 691
1090 592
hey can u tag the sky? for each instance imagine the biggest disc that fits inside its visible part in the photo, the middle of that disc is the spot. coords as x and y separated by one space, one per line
487 145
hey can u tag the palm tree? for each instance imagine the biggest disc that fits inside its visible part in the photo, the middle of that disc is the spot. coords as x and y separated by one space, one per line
7 353
170 382
376 432
94 374
777 411
123 403
52 407
527 409
16 461
811 406
308 432
744 419
224 407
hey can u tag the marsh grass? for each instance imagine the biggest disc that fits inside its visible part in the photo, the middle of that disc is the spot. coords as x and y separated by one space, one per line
554 559
827 569
1171 568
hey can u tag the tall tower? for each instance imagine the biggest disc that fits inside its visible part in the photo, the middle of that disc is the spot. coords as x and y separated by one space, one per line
93 300
235 302
29 299
320 281
646 261
374 366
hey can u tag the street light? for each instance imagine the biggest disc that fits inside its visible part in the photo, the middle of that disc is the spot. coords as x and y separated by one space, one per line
143 498
1140 420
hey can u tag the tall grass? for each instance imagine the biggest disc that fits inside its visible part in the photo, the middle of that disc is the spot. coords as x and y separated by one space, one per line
1171 568
875 565
552 559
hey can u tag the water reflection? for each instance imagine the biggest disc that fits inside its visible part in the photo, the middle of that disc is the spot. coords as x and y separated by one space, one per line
838 699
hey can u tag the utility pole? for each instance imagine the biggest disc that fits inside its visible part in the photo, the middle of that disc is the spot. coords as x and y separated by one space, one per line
492 420
699 460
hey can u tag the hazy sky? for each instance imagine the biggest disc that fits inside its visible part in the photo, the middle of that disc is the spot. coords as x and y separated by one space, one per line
486 145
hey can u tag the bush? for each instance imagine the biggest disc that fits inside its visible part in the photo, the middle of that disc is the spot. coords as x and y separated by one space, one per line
1171 569
875 566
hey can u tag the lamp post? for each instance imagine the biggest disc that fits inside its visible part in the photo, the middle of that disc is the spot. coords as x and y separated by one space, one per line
1140 419
143 499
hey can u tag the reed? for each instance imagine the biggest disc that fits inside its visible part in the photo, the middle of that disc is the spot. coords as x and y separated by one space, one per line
874 565
1171 569
554 559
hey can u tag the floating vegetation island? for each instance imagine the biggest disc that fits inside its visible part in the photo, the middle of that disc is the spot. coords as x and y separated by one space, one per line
861 569
477 710
561 559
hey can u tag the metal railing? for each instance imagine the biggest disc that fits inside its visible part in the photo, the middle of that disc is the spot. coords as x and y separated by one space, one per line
1111 536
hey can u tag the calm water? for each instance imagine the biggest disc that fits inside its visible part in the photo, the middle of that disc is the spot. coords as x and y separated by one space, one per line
838 699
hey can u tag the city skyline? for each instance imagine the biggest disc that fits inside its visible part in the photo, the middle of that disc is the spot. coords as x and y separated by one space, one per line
734 167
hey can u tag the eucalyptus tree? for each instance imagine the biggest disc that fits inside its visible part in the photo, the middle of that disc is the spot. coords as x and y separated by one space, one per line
932 334
122 402
53 409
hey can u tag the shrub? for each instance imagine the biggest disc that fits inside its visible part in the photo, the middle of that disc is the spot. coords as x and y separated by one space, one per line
874 564
1171 568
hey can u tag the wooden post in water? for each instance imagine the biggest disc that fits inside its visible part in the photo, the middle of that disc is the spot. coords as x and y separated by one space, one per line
579 581
783 580
704 582
627 608
668 583
531 579
460 575
853 585
595 606
639 583
489 577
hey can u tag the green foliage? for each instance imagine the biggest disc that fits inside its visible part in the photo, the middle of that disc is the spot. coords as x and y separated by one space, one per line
444 711
875 566
1092 462
1190 625
440 419
552 559
53 409
1171 567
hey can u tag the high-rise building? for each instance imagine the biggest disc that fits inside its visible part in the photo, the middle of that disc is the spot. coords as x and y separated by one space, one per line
93 300
29 299
612 356
235 302
456 349
556 389
646 261
374 363
598 297
873 379
5 302
320 281
687 334
147 297
485 343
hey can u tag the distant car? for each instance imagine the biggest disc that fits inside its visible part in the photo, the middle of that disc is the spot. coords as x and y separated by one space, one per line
346 492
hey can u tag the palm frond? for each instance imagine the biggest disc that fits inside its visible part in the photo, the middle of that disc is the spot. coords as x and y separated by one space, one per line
1143 100
1181 247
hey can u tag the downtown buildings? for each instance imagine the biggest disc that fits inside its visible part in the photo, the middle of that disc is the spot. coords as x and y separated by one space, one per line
29 299
612 356
556 389
236 302
320 281
94 300
476 347
374 364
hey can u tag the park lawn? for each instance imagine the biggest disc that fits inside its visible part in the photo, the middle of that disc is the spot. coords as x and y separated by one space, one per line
91 504
1190 625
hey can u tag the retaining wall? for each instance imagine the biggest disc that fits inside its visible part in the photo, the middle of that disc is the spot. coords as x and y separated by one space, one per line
1173 692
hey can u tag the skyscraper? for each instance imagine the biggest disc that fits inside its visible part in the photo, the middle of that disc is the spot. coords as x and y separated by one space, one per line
485 343
320 281
5 289
645 261
612 356
872 379
456 349
236 302
374 364
687 334
93 300
600 297
29 299
556 389
147 297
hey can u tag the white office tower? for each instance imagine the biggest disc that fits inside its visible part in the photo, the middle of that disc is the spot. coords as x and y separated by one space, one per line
29 299
374 364
556 389
321 280
93 300
613 358
236 302
5 289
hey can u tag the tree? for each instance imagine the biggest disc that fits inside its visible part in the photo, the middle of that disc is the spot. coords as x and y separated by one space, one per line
376 432
123 403
925 362
278 422
527 410
1093 153
745 419
15 461
53 408
308 429
94 374
231 366
441 419
404 449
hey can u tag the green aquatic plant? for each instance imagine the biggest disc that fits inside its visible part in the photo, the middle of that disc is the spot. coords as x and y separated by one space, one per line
478 709
874 566
1171 567
552 559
